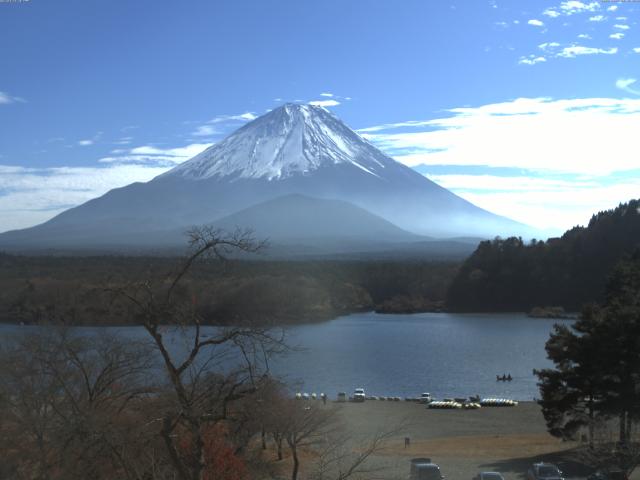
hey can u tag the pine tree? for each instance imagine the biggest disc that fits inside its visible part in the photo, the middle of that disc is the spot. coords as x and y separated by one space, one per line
597 362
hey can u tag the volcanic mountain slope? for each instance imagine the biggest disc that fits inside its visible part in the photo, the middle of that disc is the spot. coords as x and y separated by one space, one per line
295 149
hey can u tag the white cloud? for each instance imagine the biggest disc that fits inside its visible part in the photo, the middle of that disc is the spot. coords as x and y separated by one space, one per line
636 50
161 157
248 116
5 99
612 8
590 136
575 50
572 6
535 23
207 129
571 144
242 117
541 204
326 95
625 84
621 27
204 131
550 12
548 45
585 36
29 196
123 141
597 18
617 36
90 141
324 103
531 60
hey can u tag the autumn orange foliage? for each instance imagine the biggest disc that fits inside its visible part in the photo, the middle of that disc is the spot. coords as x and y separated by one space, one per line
221 462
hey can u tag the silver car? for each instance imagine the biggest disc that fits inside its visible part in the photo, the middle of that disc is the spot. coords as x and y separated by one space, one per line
544 471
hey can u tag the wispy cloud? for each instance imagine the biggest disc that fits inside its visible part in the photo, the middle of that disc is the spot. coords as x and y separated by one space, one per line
617 36
220 124
5 99
573 203
556 50
548 46
242 117
577 50
572 7
156 156
551 12
204 131
327 94
29 196
324 103
531 60
625 84
564 142
621 26
90 141
531 133
123 141
597 18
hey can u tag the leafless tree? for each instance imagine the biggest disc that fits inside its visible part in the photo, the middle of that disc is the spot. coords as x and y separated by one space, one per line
343 456
68 399
217 367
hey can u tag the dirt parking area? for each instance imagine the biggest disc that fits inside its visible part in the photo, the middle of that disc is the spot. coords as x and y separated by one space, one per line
462 442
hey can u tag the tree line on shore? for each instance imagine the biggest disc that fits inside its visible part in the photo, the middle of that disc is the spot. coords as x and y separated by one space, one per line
37 289
570 271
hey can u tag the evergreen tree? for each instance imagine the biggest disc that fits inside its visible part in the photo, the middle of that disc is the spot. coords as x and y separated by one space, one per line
597 362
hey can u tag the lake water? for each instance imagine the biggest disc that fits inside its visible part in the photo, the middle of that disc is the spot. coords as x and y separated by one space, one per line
448 355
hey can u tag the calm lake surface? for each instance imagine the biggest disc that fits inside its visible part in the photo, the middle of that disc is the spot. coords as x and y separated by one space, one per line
448 355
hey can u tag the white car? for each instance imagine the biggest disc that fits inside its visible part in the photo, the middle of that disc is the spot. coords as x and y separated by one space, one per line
358 395
425 398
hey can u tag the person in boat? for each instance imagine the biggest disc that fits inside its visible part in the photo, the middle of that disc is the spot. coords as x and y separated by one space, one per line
504 377
509 378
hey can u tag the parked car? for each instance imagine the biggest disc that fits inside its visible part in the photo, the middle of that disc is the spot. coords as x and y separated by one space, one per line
544 471
424 469
489 476
611 474
425 398
342 396
358 395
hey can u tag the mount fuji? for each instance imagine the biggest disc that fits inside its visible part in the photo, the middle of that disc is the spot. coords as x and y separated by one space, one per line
292 151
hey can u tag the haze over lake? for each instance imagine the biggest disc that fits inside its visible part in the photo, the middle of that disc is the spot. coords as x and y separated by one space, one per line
448 355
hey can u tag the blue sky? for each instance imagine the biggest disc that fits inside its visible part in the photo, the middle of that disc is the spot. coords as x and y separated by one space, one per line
527 108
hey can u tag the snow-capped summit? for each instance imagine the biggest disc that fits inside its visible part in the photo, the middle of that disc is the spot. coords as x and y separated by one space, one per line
255 177
292 139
